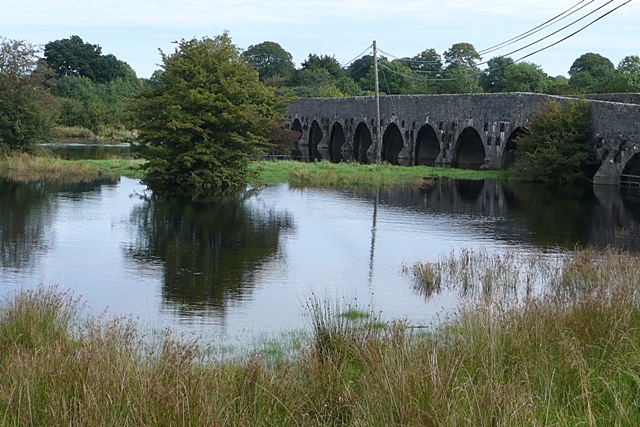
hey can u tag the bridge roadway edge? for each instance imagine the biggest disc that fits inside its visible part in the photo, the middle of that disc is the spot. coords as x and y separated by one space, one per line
495 117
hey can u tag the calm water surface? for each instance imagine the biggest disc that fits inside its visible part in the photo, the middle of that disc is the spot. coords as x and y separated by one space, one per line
247 268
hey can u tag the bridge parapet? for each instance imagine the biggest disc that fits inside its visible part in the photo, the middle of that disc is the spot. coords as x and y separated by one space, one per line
467 130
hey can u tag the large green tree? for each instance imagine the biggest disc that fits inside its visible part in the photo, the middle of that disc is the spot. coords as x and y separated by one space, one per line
270 59
27 109
591 73
525 77
204 121
461 73
74 57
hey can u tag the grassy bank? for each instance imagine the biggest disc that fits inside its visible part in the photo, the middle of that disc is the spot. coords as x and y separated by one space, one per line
104 133
325 174
571 357
26 168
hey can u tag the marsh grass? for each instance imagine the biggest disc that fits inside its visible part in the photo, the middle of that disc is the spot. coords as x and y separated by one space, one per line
332 175
564 357
26 168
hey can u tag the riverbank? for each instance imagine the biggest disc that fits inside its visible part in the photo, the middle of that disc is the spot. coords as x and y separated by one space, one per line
570 357
327 175
26 168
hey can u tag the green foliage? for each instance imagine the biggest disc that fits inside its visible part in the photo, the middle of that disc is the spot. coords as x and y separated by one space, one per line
93 105
524 77
591 73
394 78
27 110
462 54
270 59
74 57
559 85
360 67
492 79
326 62
626 78
204 122
504 75
559 149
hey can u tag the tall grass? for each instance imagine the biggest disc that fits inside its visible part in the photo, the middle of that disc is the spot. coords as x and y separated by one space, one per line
27 168
566 357
325 174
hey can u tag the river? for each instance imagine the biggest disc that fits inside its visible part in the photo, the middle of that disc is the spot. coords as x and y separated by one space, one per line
245 269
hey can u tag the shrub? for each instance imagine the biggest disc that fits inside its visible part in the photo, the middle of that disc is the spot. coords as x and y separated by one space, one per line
559 149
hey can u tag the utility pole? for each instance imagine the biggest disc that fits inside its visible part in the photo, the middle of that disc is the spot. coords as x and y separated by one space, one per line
378 128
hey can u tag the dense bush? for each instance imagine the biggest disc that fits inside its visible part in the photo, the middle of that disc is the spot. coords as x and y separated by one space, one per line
204 121
559 149
27 110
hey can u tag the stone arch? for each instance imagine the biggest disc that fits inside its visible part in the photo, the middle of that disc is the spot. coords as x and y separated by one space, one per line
427 146
315 136
469 152
629 179
633 166
509 155
296 126
361 142
336 141
392 144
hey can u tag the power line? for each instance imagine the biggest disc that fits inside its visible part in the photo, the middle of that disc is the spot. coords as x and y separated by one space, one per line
537 29
476 73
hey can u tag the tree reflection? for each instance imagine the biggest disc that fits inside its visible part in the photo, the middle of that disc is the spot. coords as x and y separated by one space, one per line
24 217
207 253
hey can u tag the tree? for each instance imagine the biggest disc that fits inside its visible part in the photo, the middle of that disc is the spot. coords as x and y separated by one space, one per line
524 77
394 78
492 78
462 55
208 117
27 109
626 78
329 63
360 67
74 57
270 59
591 73
461 74
560 148
94 106
428 62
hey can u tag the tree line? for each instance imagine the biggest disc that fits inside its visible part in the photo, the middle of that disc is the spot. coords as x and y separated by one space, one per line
213 107
457 70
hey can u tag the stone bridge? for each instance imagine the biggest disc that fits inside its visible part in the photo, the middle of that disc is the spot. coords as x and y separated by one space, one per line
465 131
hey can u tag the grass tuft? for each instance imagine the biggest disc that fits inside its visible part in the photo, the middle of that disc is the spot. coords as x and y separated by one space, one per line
336 175
565 355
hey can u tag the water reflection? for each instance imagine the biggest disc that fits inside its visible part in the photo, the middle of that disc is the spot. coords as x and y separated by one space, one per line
207 254
73 150
26 215
252 262
24 212
527 213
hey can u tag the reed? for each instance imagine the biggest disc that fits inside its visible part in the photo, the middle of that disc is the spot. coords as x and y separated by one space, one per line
567 356
332 175
26 168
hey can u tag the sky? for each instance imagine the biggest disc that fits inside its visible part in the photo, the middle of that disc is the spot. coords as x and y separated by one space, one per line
135 30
